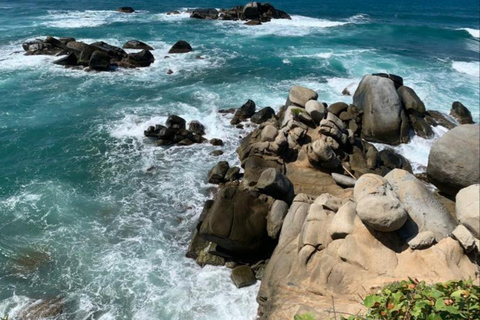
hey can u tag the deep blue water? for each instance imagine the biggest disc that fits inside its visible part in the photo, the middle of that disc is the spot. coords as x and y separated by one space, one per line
75 192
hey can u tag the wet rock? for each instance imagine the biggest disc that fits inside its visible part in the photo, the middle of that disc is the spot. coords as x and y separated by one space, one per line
435 118
253 23
461 113
237 222
216 153
196 127
233 174
175 122
421 127
181 47
126 10
243 276
216 142
41 309
410 100
140 59
207 14
99 61
68 60
218 172
244 112
112 51
82 51
263 115
135 44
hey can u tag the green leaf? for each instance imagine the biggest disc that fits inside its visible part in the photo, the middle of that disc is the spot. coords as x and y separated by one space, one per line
434 316
371 300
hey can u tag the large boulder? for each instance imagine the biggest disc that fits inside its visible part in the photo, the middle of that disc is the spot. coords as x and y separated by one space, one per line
251 11
377 204
454 159
207 14
236 222
99 61
411 101
181 47
384 119
299 96
275 184
263 115
109 49
244 112
461 113
126 10
467 208
140 59
82 51
425 211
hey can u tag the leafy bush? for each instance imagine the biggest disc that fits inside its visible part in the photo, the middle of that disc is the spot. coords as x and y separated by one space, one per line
415 300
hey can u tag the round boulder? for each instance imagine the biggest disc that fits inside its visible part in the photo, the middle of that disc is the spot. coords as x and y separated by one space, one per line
467 208
181 47
454 160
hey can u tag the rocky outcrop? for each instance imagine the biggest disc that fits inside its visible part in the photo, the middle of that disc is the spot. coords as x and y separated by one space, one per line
453 163
98 56
126 10
340 216
174 132
254 11
461 113
135 44
181 47
384 119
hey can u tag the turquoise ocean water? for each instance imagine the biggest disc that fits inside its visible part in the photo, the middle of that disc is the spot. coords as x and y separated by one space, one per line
93 211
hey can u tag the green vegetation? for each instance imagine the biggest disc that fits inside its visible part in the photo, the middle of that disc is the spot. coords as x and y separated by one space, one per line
415 300
296 112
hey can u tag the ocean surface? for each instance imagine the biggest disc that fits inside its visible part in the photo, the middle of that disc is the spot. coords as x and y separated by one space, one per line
93 211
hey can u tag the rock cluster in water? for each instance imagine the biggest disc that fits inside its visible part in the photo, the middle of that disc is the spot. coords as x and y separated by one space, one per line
320 212
98 56
255 12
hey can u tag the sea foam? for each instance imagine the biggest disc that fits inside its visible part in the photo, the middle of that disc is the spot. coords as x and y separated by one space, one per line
471 68
473 32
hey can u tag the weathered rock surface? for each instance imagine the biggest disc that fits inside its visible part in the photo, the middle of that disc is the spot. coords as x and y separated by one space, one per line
243 276
181 46
135 44
384 119
454 160
237 222
42 309
461 113
299 96
377 204
175 132
467 208
425 212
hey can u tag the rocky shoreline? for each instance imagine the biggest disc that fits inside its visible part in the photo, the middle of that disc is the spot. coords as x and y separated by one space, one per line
319 214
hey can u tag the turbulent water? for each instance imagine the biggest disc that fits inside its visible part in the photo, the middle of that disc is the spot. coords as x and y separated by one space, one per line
93 211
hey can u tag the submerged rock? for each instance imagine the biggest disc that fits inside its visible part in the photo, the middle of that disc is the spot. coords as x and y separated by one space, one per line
126 10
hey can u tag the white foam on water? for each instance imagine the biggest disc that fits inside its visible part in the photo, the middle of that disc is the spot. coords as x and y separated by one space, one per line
470 68
73 19
473 32
296 27
11 306
417 150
